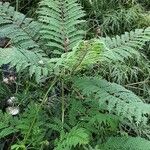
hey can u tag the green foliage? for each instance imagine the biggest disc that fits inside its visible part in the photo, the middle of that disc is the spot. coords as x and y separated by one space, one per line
29 126
5 128
76 136
115 16
60 20
115 99
126 143
22 59
21 30
75 109
127 44
32 125
87 114
85 111
84 55
105 49
26 7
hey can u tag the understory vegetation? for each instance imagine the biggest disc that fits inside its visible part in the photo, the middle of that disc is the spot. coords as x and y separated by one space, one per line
75 75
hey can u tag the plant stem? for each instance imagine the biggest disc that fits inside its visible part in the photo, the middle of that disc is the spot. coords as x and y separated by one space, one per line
63 102
17 5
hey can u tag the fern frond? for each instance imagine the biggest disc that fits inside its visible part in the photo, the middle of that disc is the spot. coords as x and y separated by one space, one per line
57 125
126 45
6 128
60 20
126 143
76 136
83 55
31 125
87 115
104 50
115 99
76 108
22 59
108 121
95 51
22 31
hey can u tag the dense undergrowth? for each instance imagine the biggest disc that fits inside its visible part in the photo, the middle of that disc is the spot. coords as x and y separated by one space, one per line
75 75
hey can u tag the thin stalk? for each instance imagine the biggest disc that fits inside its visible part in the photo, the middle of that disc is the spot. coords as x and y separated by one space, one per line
62 102
17 5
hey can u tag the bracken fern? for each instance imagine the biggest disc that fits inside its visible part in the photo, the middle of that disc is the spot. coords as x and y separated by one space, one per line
60 20
115 99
